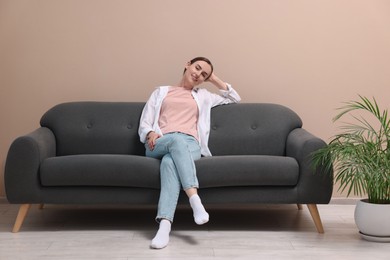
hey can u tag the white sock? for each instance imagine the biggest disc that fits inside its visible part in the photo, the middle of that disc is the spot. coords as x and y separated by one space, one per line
200 215
162 237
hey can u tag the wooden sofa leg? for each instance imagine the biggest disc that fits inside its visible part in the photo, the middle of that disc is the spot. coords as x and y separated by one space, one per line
41 206
299 206
21 216
316 217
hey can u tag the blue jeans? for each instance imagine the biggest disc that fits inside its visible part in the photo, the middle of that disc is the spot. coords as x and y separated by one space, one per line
177 152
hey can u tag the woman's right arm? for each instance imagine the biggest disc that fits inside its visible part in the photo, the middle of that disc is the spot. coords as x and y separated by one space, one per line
147 117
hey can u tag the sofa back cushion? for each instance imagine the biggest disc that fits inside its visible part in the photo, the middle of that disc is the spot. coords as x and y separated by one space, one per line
112 128
95 127
251 129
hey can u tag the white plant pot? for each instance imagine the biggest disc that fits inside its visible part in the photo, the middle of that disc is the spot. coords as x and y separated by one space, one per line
373 221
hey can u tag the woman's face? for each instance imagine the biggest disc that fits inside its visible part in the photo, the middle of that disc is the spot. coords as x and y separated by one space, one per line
197 72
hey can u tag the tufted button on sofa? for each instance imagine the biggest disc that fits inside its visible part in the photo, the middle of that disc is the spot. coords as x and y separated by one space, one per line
90 153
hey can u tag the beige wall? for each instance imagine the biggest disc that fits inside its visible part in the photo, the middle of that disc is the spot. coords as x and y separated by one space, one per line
309 55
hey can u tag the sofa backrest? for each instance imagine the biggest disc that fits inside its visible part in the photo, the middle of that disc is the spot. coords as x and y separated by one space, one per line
95 127
112 128
251 129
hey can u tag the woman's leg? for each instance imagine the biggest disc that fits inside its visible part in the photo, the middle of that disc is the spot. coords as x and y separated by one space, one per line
189 181
178 152
169 194
170 189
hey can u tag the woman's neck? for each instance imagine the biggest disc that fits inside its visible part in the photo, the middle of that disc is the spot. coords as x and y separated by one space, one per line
184 84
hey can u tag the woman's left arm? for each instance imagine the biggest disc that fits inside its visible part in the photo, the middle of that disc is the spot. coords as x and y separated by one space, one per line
227 93
216 81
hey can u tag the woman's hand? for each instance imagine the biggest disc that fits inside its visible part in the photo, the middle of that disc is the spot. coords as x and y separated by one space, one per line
151 139
217 82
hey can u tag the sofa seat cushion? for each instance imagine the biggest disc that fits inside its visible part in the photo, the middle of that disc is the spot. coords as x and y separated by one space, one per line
253 170
101 170
144 172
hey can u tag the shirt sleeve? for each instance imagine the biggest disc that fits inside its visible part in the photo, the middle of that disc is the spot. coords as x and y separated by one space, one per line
225 96
148 116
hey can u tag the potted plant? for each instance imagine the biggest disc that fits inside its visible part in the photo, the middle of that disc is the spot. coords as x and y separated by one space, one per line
360 158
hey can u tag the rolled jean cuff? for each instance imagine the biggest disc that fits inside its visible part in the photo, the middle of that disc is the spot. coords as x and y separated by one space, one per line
159 218
191 186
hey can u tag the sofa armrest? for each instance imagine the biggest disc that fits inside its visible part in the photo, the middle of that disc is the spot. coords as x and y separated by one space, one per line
22 165
314 186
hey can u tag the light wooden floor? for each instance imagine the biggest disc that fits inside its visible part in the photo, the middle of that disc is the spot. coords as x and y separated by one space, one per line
260 232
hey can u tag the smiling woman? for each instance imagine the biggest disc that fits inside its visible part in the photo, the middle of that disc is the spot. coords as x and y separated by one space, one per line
174 126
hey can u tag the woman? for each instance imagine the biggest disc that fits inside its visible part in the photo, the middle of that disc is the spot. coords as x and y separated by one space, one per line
175 126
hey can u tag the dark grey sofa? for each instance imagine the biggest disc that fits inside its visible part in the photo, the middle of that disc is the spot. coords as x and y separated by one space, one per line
90 153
